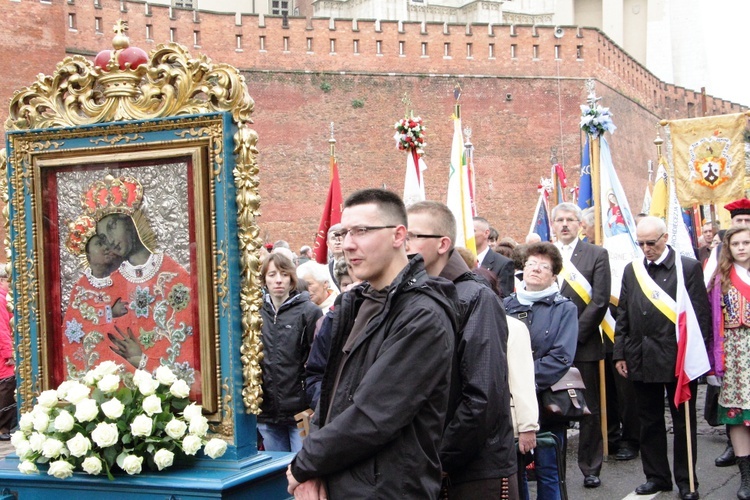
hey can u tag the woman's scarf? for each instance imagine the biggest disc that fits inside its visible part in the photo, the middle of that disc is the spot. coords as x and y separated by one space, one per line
527 297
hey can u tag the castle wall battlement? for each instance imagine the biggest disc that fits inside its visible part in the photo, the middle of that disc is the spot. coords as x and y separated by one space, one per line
272 43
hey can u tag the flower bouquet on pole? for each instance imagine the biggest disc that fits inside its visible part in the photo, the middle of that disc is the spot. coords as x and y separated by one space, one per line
410 137
108 422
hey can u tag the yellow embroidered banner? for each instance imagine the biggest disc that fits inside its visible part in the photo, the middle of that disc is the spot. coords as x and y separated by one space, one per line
709 158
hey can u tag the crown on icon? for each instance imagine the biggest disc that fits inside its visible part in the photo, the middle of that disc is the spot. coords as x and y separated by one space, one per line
122 195
80 231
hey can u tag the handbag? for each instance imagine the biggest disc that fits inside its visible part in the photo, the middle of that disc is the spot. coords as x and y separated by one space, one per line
564 400
711 410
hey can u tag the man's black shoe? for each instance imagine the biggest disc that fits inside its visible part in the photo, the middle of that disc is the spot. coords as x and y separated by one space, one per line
591 481
726 459
689 495
650 487
625 454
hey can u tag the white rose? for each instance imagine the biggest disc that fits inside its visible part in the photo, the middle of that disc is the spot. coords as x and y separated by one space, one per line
163 458
17 437
86 410
141 375
132 464
106 368
41 409
41 421
191 411
48 398
109 383
113 408
148 386
27 467
62 389
179 389
151 405
105 435
64 421
36 440
23 450
60 469
215 448
142 426
165 376
78 445
90 378
199 426
77 392
92 465
175 428
26 423
191 444
52 448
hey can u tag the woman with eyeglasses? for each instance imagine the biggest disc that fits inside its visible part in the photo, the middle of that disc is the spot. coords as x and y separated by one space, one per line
553 325
729 293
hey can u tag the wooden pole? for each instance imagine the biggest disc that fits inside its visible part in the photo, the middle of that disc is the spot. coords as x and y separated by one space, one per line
596 195
689 445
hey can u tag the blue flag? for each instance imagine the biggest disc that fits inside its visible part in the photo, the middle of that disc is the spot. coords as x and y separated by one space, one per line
540 222
585 194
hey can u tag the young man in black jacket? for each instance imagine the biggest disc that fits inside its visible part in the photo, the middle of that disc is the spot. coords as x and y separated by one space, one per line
478 451
385 391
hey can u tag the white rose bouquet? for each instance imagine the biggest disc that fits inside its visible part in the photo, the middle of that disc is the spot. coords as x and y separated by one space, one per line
112 421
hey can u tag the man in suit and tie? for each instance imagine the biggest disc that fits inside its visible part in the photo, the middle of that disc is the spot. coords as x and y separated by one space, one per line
489 259
586 280
646 352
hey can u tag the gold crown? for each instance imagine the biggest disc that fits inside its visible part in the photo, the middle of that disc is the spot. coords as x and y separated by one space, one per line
111 195
80 231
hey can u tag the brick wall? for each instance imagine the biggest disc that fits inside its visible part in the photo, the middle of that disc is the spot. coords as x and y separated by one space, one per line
298 92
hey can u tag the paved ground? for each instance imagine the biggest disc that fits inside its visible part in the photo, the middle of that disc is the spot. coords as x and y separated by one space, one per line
619 479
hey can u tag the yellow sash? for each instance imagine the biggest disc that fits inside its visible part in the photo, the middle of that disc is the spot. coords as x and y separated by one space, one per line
580 285
658 297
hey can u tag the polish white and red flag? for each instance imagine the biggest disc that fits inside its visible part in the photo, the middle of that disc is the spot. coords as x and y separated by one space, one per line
692 357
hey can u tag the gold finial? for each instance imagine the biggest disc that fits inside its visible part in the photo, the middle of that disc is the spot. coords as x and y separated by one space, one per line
658 142
121 40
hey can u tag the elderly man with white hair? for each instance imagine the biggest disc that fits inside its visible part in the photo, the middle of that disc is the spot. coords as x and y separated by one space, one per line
319 284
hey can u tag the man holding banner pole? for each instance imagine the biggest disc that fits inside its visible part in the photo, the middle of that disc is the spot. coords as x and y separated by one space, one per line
586 280
663 325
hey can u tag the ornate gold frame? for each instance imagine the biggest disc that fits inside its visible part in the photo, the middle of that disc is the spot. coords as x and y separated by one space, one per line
128 103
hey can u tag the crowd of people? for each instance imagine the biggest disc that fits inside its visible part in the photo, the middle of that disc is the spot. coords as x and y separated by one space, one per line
423 362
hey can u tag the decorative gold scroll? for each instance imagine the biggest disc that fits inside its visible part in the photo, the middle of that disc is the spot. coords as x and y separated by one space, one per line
171 83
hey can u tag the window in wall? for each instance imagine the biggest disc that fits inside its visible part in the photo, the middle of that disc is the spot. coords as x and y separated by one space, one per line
513 51
280 7
691 110
379 47
468 50
333 45
238 38
98 24
286 44
149 32
535 52
172 34
356 46
446 49
188 4
557 52
72 21
492 51
262 40
579 52
197 38
309 44
401 47
424 49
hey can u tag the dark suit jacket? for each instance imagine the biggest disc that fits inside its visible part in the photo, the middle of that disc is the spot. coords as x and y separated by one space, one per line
644 337
593 263
503 268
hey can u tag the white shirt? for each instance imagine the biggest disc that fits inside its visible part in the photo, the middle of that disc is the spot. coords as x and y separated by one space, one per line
566 250
481 256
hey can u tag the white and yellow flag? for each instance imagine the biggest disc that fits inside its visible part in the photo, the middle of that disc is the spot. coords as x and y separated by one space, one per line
708 156
459 193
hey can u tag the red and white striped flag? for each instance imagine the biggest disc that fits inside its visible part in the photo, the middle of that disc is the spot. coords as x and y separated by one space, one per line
692 358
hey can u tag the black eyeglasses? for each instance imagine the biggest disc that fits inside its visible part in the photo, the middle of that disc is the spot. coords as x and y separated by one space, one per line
411 236
358 231
649 243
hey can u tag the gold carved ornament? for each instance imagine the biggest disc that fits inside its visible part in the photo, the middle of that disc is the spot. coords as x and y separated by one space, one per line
169 83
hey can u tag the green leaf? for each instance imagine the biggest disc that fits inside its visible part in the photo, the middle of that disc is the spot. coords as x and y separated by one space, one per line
180 404
110 455
126 438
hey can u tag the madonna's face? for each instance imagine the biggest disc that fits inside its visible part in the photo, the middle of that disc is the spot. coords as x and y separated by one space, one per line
119 233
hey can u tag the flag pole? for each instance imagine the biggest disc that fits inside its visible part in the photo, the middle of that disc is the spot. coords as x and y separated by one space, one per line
596 195
332 142
688 434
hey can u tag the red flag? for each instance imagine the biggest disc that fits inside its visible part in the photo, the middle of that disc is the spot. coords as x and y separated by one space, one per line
331 214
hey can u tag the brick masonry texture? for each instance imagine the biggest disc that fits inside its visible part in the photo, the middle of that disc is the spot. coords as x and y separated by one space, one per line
298 92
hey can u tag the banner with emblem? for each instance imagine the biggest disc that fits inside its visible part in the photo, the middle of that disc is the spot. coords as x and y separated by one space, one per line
708 157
